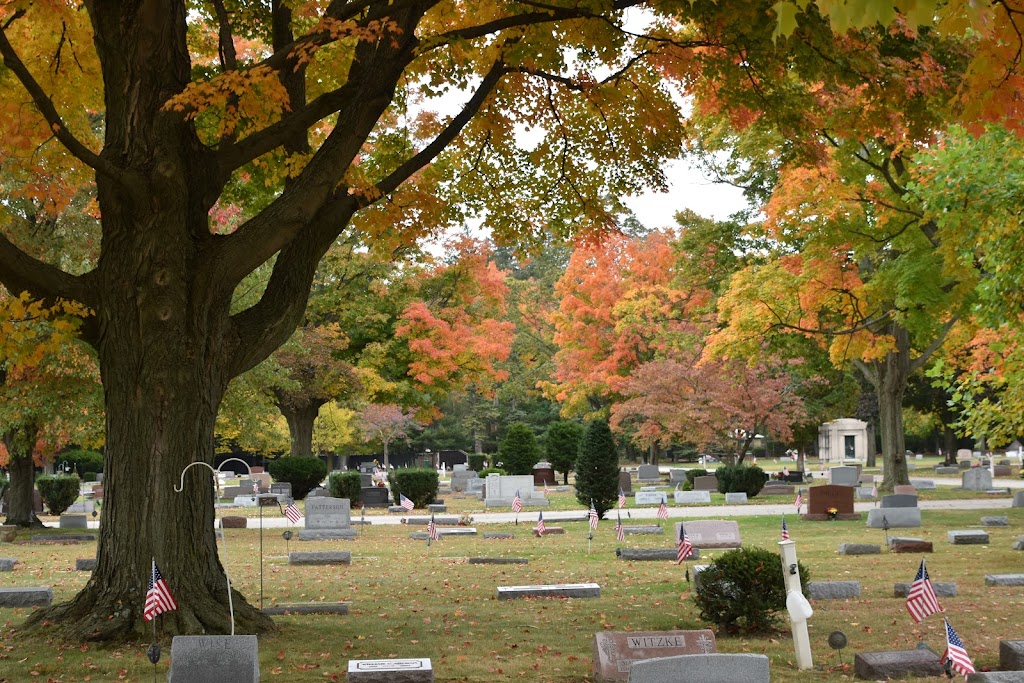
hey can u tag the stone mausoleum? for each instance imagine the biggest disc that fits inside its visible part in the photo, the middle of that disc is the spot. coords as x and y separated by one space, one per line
843 440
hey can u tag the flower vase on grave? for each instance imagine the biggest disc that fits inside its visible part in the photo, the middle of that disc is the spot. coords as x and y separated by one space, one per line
832 512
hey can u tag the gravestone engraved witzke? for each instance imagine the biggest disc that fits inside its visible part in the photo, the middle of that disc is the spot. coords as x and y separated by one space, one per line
214 659
327 518
615 651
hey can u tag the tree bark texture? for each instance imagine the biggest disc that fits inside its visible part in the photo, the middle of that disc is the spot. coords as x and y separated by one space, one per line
301 420
21 491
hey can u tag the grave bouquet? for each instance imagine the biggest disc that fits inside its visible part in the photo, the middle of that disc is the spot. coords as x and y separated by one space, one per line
832 512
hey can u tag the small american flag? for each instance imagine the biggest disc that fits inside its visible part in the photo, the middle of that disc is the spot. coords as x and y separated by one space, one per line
955 653
293 513
620 532
517 503
785 530
622 498
256 488
540 524
785 471
799 502
684 548
432 529
874 490
921 599
662 511
593 516
405 502
158 597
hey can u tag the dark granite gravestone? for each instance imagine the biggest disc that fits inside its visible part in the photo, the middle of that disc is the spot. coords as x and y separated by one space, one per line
1011 655
85 564
625 483
616 651
880 666
708 482
214 659
7 564
26 597
375 496
859 549
821 498
996 677
899 500
1004 580
910 545
499 560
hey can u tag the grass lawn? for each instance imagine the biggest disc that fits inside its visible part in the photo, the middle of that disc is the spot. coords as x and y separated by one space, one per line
408 602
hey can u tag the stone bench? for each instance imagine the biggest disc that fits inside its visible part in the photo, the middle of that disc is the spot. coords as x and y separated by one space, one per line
26 597
321 557
306 608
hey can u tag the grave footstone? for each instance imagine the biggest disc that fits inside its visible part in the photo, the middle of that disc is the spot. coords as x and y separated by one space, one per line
283 608
214 659
1019 543
898 500
616 651
697 497
709 668
7 563
735 498
967 537
499 560
642 529
894 518
910 545
654 554
1004 580
996 677
859 549
555 590
26 597
439 521
1011 655
977 479
498 534
711 533
833 590
550 531
943 589
85 564
881 666
327 518
74 522
999 520
390 671
320 557
64 538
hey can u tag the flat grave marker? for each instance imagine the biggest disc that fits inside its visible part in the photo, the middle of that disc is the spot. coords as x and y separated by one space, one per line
390 671
556 590
709 668
881 666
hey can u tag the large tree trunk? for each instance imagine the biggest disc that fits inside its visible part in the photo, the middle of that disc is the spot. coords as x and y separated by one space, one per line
21 491
949 443
301 420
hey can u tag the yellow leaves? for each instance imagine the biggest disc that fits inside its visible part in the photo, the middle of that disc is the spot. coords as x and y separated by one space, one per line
254 96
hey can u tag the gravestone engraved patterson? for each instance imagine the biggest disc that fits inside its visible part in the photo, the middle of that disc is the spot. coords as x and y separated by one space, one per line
616 651
709 668
390 671
214 659
327 518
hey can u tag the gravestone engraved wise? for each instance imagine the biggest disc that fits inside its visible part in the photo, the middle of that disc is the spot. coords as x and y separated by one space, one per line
821 498
214 659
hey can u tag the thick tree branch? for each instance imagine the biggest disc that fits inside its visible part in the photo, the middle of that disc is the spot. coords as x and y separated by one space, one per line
20 272
56 124
940 338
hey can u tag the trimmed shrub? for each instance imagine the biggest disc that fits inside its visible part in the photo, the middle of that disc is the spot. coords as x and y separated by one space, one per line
518 452
58 492
597 468
417 484
741 479
691 475
82 461
303 473
744 590
563 446
491 470
346 485
476 461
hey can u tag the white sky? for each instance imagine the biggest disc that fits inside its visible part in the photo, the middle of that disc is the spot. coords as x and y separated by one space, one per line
688 189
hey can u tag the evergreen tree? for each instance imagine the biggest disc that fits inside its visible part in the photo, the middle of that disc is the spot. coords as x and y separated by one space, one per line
563 445
597 468
518 452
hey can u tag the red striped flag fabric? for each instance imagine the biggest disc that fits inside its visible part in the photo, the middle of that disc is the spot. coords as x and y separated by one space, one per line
594 518
921 599
620 532
799 502
622 498
405 502
158 597
432 529
540 524
785 530
292 512
955 653
662 511
684 548
517 503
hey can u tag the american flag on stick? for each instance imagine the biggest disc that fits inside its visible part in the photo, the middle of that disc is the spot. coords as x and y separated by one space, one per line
432 529
405 502
799 502
292 512
620 532
684 548
540 524
662 511
921 599
158 597
594 518
622 498
517 503
955 653
785 530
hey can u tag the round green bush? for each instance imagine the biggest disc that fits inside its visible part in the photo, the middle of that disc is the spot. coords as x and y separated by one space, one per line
491 470
741 479
518 452
744 590
346 485
417 484
81 461
58 492
476 461
691 475
563 446
304 474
